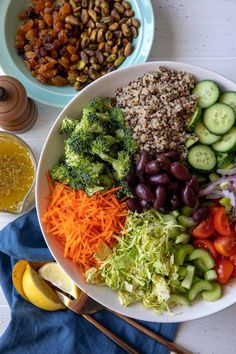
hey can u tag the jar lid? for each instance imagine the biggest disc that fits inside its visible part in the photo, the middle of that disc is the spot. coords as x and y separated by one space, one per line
13 99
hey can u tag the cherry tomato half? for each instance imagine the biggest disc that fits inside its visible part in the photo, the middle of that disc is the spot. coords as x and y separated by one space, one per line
205 229
225 245
220 221
207 245
224 270
233 260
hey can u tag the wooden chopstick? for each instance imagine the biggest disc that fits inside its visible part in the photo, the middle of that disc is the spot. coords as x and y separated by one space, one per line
167 343
111 335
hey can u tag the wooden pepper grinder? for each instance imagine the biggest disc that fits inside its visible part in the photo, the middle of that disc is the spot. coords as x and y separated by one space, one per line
18 113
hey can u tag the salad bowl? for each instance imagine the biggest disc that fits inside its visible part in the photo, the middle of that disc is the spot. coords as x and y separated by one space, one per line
52 151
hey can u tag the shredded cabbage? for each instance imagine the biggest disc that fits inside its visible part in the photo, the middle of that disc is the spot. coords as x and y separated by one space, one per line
141 266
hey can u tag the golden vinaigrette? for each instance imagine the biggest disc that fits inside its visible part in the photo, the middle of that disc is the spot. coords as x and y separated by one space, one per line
16 173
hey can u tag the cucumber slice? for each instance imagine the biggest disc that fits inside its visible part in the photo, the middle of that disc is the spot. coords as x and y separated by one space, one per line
207 93
227 143
198 287
191 141
229 98
177 300
214 294
210 275
202 157
194 119
219 118
187 282
204 136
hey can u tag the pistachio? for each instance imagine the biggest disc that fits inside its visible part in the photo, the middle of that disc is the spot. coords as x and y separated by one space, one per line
114 50
121 52
101 25
111 58
90 24
85 70
125 30
118 34
104 9
80 65
115 15
84 35
114 26
120 8
93 14
107 19
93 46
84 57
84 16
128 49
123 20
126 5
96 67
82 78
134 31
100 35
84 3
77 85
135 23
93 36
111 68
110 42
107 48
129 22
93 74
129 13
99 56
85 42
119 42
90 52
91 4
90 30
93 60
101 46
119 61
71 20
108 35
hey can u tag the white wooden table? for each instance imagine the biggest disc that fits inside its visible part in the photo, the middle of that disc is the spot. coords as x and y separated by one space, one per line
198 32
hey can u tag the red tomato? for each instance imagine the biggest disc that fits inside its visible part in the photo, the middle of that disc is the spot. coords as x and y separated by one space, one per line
220 221
205 229
207 245
224 270
233 260
225 245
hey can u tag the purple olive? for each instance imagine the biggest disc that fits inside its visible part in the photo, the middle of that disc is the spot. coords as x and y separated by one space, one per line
160 197
179 171
175 201
200 214
133 204
189 197
172 187
193 183
144 204
144 191
172 155
161 178
164 162
132 179
152 167
143 160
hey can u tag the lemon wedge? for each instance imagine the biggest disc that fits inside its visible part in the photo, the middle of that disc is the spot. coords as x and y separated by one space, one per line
38 291
53 273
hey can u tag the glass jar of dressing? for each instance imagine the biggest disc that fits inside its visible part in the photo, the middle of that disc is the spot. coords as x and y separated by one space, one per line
17 174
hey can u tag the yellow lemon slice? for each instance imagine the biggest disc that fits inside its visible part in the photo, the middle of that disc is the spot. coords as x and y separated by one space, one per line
53 273
38 291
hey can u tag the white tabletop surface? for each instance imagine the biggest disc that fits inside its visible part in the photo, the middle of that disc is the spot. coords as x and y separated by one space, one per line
197 32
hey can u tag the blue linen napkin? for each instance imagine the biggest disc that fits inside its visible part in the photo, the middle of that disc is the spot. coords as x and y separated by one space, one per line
34 331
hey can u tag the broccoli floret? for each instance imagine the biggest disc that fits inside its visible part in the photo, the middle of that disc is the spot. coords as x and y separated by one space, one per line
99 104
68 125
103 143
91 124
118 118
106 181
75 160
61 173
80 143
88 173
125 191
125 136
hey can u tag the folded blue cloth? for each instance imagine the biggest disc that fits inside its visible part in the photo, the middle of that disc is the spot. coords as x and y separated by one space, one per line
35 331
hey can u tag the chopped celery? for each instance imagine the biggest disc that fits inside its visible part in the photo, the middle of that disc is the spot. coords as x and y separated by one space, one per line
186 211
182 271
182 252
198 287
204 256
213 176
196 278
214 294
200 265
186 221
175 213
177 300
187 282
210 275
182 238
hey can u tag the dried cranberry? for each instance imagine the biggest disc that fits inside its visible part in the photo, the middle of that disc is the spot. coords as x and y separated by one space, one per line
30 13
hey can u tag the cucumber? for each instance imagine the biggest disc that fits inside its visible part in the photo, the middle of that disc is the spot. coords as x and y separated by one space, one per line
214 294
224 159
191 141
207 93
219 118
202 157
229 98
194 119
204 136
227 143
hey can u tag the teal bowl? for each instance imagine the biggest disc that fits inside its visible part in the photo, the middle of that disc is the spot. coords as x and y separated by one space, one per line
13 65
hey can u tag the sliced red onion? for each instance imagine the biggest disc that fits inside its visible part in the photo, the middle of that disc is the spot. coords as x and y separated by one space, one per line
230 172
213 185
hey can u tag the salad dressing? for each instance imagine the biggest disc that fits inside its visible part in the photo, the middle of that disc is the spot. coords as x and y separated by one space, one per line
16 173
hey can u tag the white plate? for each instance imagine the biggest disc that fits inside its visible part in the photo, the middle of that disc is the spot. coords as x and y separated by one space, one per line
52 151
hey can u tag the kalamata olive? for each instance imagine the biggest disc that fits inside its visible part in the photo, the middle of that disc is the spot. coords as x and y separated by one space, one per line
164 162
133 204
175 201
152 167
144 204
189 197
161 178
164 209
193 183
132 179
179 171
172 155
160 197
142 161
200 214
172 187
144 191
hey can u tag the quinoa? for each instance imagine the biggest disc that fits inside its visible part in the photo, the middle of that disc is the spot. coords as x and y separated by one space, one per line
158 106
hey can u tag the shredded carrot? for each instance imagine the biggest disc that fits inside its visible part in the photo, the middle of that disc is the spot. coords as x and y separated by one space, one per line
81 223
